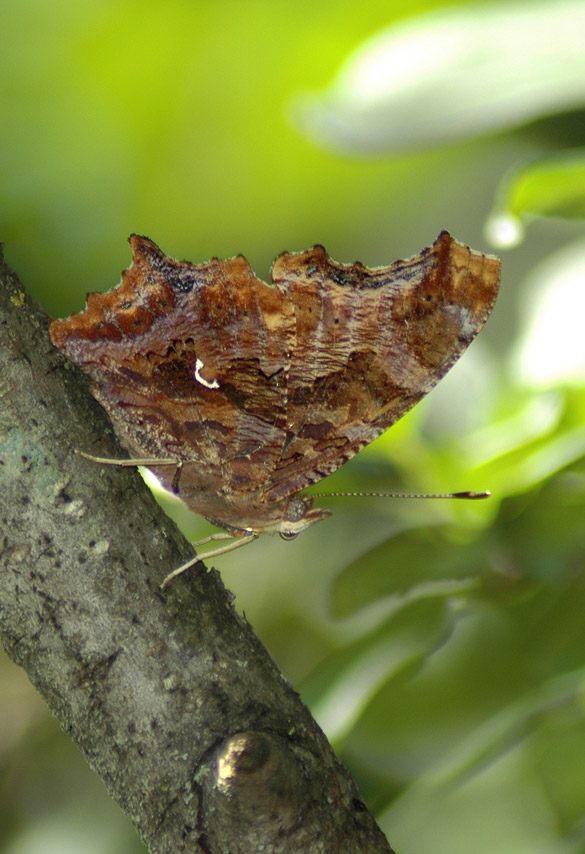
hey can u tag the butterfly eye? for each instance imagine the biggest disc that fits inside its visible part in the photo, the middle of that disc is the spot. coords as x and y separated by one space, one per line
288 535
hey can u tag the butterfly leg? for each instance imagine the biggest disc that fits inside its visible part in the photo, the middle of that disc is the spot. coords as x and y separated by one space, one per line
223 535
147 461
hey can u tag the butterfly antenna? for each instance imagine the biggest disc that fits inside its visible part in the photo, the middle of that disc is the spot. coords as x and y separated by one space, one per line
469 495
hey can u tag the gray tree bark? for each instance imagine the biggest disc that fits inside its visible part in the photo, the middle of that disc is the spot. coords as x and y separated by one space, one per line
171 697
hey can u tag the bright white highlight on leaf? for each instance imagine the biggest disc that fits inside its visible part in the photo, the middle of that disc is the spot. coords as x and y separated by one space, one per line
551 349
504 231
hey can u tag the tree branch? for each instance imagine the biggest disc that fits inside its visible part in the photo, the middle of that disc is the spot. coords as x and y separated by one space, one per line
171 697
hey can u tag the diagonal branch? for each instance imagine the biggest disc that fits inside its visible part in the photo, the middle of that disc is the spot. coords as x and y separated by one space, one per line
171 697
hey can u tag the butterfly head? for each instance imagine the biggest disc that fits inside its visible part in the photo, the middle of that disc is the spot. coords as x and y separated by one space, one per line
298 515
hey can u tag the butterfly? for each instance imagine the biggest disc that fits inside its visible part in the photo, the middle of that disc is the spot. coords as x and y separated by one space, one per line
238 394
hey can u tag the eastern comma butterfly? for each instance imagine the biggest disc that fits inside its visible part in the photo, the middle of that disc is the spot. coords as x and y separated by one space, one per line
238 394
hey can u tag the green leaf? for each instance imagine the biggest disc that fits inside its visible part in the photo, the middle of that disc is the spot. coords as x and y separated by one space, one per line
399 564
560 767
504 729
453 74
554 186
340 689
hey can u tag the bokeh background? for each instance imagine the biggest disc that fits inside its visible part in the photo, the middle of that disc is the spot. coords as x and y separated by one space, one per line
441 645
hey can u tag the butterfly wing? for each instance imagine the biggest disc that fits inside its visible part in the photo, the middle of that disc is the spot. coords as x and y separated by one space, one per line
190 362
263 389
369 344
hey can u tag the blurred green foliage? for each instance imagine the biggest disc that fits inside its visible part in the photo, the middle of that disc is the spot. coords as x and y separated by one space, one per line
440 645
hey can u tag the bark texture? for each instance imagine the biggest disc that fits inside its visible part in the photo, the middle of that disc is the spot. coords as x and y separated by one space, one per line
171 697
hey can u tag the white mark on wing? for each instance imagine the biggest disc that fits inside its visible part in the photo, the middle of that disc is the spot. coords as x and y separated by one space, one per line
198 365
467 323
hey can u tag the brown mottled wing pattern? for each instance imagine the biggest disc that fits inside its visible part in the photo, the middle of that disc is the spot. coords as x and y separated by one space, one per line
370 343
190 362
263 389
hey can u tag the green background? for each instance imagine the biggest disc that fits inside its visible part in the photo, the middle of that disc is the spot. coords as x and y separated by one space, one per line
440 645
